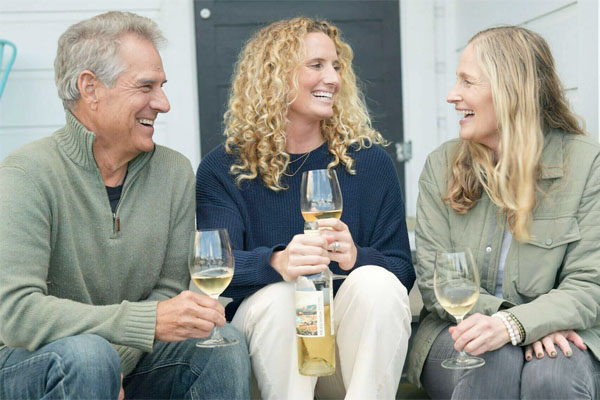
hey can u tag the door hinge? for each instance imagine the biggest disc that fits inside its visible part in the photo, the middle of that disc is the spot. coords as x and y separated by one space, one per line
403 151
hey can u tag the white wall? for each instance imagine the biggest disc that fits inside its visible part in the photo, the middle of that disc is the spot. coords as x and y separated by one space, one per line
434 33
570 28
425 39
30 108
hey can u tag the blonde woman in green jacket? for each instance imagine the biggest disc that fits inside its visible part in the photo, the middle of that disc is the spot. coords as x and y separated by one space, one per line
521 188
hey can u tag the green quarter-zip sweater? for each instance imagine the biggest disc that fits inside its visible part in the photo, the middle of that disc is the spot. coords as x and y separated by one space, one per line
68 265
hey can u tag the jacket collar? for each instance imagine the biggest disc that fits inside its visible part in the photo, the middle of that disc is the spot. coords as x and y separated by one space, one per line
553 154
77 143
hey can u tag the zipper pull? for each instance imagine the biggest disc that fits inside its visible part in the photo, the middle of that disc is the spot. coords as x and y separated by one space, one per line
116 223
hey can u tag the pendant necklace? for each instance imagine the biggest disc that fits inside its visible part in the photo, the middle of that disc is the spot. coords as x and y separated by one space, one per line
305 157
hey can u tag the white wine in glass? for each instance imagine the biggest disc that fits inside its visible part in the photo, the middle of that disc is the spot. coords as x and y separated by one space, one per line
320 198
211 268
320 195
456 286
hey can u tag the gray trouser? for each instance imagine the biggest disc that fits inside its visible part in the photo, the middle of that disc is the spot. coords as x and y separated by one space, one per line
506 375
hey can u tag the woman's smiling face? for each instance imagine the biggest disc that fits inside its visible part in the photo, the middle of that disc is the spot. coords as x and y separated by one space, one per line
318 80
472 98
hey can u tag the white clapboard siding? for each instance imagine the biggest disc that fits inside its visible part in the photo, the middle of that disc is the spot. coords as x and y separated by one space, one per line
569 27
30 108
434 33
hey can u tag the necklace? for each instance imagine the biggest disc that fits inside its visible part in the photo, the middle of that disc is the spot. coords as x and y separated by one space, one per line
305 157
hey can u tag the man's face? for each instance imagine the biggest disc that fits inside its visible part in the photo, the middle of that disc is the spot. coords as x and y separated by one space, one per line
127 111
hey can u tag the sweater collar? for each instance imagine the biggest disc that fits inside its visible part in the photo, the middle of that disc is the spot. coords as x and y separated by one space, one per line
77 142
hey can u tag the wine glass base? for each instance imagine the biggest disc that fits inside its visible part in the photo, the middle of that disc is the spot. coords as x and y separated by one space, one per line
338 276
465 363
210 343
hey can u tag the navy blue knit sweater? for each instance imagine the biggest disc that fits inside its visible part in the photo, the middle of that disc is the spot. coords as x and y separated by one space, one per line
260 220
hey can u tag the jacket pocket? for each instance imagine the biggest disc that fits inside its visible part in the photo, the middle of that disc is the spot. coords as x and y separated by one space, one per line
541 257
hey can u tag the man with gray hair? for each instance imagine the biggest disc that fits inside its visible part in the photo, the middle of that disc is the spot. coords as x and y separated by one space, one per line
95 225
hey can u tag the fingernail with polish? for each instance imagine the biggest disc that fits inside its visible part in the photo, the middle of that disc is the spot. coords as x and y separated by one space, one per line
569 354
540 355
528 358
553 354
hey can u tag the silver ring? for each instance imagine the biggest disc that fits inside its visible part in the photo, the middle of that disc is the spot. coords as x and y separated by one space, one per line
336 246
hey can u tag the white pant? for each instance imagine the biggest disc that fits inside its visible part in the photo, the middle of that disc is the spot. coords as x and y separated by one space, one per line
372 321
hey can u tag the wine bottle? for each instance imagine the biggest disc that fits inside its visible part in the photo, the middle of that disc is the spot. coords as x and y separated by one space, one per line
315 332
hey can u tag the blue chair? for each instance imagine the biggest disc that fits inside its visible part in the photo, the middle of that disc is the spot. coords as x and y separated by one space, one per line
11 60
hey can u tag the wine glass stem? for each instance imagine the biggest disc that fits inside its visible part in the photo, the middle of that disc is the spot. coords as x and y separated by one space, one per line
216 333
462 355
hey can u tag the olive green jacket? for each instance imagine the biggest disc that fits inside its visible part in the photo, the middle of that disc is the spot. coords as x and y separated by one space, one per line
552 281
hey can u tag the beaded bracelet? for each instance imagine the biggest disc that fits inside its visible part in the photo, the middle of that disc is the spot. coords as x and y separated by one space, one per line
515 329
511 332
513 320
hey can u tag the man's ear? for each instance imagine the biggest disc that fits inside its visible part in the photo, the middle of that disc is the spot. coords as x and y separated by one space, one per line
88 86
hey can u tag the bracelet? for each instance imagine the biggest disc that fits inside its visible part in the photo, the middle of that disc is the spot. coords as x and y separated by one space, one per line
515 329
519 327
511 332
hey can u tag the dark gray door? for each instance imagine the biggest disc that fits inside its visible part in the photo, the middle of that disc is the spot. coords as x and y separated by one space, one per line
370 27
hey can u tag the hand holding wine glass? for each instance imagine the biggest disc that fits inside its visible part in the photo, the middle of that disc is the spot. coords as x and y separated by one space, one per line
456 286
321 198
211 268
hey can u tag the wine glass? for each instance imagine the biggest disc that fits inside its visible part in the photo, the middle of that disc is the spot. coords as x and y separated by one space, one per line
211 268
320 195
456 286
320 198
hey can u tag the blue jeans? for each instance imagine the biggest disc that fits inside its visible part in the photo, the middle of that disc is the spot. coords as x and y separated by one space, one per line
88 367
183 371
506 374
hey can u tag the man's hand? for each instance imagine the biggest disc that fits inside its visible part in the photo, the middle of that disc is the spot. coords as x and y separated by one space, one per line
187 315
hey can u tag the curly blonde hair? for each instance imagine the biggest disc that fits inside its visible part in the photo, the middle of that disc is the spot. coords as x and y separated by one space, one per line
255 122
529 100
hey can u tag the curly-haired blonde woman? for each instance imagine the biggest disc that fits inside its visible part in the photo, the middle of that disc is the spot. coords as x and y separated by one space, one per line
521 188
295 107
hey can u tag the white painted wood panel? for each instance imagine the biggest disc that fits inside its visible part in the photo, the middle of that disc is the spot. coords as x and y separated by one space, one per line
417 26
36 35
30 108
480 14
434 33
95 6
570 27
31 100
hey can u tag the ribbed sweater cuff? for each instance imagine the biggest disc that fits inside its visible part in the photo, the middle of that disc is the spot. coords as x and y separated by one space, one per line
129 358
139 326
367 256
264 258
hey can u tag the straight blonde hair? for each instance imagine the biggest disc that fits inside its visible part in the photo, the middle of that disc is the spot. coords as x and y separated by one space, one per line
529 100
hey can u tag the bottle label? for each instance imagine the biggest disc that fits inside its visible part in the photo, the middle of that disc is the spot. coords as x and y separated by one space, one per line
310 314
329 293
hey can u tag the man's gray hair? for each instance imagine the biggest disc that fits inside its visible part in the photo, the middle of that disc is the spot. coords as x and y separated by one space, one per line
93 44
